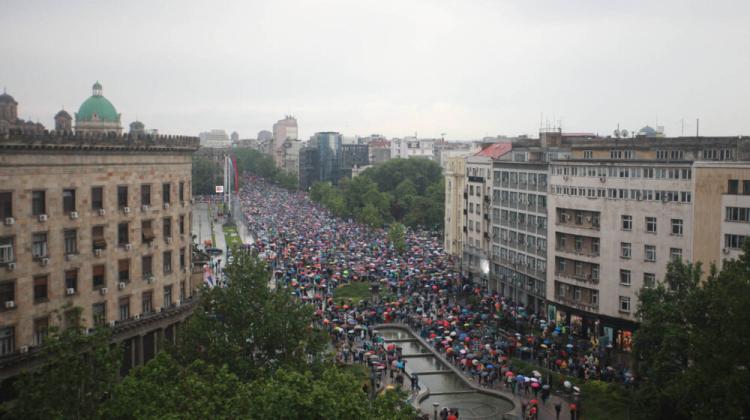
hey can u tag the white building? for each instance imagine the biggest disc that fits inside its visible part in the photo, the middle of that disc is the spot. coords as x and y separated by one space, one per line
284 129
214 138
411 147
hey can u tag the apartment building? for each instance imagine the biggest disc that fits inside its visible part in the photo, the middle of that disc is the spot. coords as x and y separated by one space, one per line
96 222
455 185
621 209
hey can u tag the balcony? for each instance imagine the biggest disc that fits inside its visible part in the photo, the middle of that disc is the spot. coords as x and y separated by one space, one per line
569 301
577 253
521 268
578 278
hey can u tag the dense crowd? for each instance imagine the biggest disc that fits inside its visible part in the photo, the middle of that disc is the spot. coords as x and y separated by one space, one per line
312 253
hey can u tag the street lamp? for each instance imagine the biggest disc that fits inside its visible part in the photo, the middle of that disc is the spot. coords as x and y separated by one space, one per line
435 406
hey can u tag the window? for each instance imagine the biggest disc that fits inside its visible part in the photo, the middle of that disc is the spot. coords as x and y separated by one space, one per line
123 236
71 280
624 304
7 293
145 195
577 294
97 198
6 205
98 280
738 214
167 227
70 241
579 243
588 154
41 329
579 217
733 186
595 272
123 270
167 296
147 266
733 241
6 251
649 252
745 187
675 254
39 245
578 267
594 297
166 193
38 203
677 227
181 190
625 277
649 280
124 306
625 250
561 266
147 233
627 222
651 224
182 224
182 291
7 340
147 304
182 259
99 313
69 200
167 261
595 246
40 289
97 238
122 196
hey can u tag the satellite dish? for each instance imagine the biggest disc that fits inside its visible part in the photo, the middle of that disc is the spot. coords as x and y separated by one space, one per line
616 133
624 132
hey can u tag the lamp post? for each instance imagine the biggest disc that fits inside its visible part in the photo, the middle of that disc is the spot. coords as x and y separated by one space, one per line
435 406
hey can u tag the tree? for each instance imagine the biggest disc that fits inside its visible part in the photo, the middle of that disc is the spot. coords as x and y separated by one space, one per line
78 372
688 345
397 237
205 173
248 326
164 389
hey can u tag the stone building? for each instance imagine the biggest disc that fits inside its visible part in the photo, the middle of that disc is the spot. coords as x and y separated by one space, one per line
97 115
9 117
101 222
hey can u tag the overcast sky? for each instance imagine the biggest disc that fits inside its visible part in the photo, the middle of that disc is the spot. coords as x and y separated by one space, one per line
468 68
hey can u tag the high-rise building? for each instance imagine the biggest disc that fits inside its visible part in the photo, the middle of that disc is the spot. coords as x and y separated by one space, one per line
284 129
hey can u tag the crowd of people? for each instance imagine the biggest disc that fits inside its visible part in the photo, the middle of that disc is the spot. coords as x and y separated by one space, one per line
313 252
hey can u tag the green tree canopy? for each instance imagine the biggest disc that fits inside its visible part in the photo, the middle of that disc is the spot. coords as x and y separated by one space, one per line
691 345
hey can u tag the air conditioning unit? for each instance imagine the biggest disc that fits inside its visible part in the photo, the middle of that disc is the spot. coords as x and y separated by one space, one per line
11 266
24 349
150 279
9 304
103 290
128 247
45 261
70 291
166 206
73 214
98 252
126 210
137 316
102 212
112 324
121 285
10 221
169 239
42 217
144 207
588 219
725 250
69 257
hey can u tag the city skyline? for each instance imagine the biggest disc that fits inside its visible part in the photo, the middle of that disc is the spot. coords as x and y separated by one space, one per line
468 69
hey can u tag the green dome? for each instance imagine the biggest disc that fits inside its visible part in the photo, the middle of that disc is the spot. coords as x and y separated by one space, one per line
97 108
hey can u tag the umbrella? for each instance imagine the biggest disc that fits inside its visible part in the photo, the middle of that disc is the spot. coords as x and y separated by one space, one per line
576 389
570 346
536 373
535 385
490 366
544 346
352 321
535 380
509 373
521 378
567 384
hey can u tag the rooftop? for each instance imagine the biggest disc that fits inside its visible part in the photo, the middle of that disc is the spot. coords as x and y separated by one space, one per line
495 150
51 140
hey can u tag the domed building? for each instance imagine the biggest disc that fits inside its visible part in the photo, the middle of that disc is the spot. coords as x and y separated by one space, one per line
63 121
97 114
9 117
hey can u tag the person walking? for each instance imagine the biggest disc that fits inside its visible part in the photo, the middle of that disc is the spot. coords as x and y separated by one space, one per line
573 411
558 408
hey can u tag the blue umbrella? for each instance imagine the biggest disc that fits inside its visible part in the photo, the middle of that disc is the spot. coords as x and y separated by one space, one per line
490 366
520 378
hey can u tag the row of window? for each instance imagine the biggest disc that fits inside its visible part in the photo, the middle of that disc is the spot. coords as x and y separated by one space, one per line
511 198
733 187
521 219
98 277
649 279
520 280
39 240
518 258
625 194
520 179
738 214
649 252
651 224
99 316
70 199
578 241
623 172
575 293
732 241
523 240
